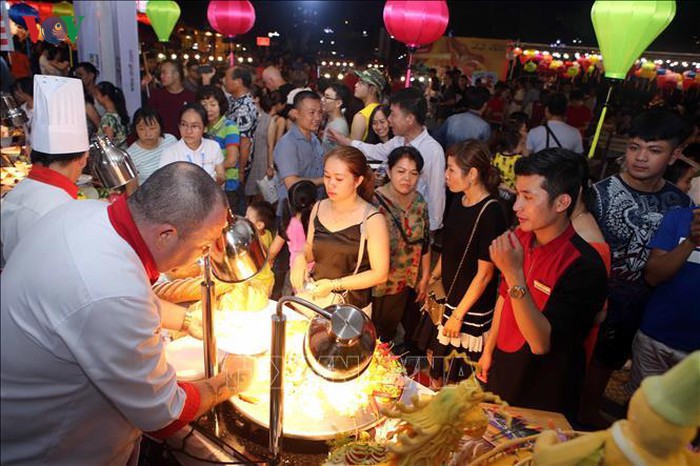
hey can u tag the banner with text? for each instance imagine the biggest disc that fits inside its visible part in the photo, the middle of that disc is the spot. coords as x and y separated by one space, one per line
474 56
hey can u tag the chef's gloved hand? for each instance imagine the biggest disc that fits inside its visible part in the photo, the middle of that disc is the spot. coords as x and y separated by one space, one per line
239 371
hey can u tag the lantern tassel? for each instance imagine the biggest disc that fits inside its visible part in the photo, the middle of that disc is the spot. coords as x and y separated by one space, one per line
411 51
231 60
591 152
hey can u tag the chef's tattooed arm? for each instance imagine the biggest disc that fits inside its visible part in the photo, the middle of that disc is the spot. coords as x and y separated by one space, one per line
236 375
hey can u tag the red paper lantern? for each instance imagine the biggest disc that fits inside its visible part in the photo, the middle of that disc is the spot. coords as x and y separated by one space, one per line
517 51
143 18
232 17
416 23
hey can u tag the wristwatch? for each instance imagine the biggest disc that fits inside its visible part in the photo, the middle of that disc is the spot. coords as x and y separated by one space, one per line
517 291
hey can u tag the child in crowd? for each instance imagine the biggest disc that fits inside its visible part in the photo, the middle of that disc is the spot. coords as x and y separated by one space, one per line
262 215
145 152
295 221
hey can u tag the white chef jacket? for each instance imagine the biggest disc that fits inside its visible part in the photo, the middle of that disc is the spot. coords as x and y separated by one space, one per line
431 183
83 368
23 206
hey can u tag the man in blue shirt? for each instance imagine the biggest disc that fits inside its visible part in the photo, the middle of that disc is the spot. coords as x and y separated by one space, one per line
299 154
670 328
467 125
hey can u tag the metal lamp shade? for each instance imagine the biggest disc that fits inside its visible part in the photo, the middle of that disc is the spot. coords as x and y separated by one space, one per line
10 111
340 349
112 165
237 255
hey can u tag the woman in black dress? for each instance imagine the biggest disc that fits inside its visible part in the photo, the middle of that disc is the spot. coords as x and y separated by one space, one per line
470 279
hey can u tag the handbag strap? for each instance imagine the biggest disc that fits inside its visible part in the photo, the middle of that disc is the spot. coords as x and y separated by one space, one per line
363 238
549 131
466 250
380 198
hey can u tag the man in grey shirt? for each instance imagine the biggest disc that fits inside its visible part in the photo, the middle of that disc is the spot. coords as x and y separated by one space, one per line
298 154
555 132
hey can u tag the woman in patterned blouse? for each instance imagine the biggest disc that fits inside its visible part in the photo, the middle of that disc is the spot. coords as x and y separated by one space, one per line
115 121
407 218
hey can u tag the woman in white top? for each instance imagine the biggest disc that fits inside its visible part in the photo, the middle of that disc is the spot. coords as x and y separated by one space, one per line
147 150
193 147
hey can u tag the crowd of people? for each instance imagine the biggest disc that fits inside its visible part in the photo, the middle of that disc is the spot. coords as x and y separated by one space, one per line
553 278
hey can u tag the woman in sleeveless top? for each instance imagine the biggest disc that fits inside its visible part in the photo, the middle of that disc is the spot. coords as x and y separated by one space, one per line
335 232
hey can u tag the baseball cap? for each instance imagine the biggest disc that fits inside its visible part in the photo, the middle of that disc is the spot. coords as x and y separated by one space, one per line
373 77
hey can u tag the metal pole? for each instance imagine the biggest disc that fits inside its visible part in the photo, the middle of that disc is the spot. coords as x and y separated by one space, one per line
277 349
211 367
279 322
411 51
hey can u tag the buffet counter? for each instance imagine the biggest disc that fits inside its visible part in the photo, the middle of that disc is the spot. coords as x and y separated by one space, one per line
316 412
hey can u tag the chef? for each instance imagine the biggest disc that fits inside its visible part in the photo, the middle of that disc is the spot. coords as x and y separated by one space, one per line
59 154
82 370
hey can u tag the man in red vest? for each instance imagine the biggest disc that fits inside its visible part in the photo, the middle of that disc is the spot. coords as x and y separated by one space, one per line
554 283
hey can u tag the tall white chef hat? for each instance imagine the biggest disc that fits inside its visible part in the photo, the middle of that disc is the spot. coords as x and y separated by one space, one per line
59 125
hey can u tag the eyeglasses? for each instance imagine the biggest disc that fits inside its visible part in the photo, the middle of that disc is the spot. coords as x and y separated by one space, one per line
325 97
194 127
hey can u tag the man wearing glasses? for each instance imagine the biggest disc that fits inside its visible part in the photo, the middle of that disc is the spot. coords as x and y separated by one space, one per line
334 100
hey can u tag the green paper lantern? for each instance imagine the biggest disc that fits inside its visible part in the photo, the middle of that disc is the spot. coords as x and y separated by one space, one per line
530 67
163 16
625 29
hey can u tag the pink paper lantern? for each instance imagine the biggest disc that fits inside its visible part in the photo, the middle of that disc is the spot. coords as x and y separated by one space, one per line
231 17
416 23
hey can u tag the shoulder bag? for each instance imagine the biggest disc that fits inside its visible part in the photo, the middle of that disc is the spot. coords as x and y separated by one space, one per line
436 297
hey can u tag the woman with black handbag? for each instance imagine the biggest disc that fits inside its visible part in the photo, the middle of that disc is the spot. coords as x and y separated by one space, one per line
468 276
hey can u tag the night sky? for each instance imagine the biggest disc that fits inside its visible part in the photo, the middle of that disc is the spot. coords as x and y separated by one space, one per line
529 21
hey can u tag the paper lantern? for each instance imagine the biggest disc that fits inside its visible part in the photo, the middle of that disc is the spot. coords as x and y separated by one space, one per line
517 51
572 71
650 65
163 15
416 23
530 67
63 9
143 19
556 64
688 83
231 18
18 11
646 73
624 29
